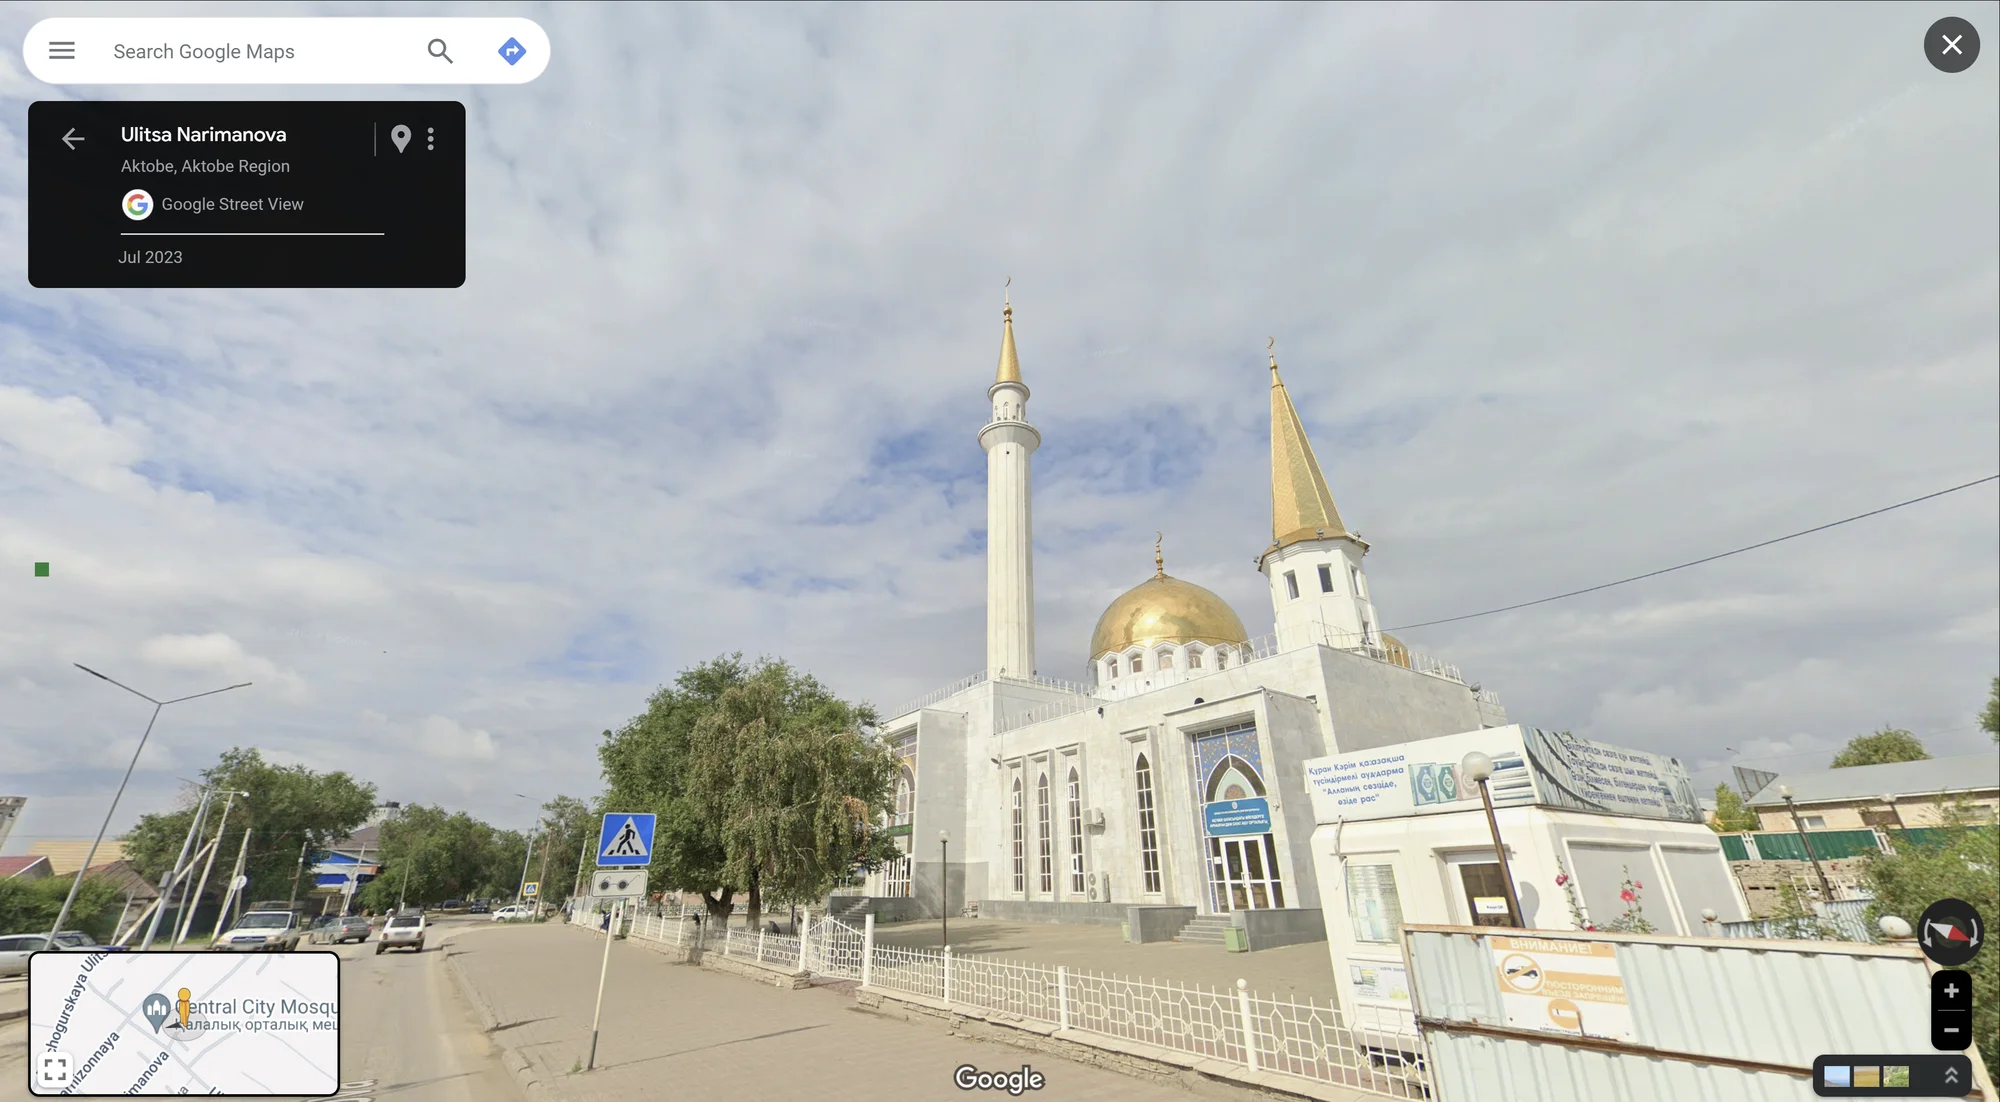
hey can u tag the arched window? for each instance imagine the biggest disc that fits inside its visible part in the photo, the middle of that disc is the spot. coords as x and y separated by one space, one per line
1020 842
905 797
1149 834
1138 663
1194 658
1046 843
1166 659
1114 665
1075 832
1222 659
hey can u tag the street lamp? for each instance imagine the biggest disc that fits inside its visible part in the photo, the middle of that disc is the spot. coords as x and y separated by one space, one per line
69 901
1477 767
1825 889
944 887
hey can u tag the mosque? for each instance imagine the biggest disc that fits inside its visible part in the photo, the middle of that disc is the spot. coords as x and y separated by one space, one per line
1172 774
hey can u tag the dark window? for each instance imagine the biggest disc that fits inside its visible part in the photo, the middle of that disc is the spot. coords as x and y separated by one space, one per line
1046 844
1325 578
1020 842
1292 584
1149 837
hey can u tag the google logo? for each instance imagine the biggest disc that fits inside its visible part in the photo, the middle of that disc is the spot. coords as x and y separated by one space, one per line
138 204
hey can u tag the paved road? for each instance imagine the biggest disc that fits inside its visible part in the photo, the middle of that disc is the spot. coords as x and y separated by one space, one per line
402 1026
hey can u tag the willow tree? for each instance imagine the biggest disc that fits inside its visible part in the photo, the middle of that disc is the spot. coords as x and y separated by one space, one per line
794 788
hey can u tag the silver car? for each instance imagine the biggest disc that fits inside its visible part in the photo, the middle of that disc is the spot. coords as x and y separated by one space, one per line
15 949
340 931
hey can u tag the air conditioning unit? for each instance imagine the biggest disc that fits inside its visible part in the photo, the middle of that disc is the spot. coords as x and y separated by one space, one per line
1094 817
1092 883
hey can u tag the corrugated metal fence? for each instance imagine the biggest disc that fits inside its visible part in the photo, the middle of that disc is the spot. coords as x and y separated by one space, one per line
1700 1018
1841 920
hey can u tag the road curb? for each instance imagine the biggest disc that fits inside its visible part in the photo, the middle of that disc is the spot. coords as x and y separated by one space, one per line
10 1015
516 1062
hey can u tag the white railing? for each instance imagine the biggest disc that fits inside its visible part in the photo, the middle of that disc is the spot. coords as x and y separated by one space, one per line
936 695
1047 710
1487 696
1369 646
1297 1037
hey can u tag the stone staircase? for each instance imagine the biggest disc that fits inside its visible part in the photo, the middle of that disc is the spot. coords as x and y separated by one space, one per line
1204 930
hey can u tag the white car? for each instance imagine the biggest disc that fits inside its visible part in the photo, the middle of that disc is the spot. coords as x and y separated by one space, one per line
404 931
517 911
262 932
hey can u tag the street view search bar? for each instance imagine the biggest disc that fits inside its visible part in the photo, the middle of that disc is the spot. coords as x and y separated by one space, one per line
286 51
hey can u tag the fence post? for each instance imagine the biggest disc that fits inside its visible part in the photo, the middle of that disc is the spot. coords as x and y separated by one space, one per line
760 944
867 945
1249 1023
1062 995
805 940
728 942
947 974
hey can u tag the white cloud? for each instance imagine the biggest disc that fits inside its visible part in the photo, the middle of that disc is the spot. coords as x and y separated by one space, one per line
449 740
222 655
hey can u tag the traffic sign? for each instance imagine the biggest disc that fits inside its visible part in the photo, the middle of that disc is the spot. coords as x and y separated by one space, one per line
618 884
625 841
531 889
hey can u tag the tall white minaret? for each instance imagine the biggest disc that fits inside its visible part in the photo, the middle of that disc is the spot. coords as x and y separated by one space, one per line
1010 542
1318 590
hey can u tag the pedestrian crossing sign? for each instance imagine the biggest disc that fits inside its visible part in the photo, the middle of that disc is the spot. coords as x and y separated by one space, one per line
625 841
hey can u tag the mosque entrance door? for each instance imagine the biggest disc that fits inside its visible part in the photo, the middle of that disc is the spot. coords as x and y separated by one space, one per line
1242 852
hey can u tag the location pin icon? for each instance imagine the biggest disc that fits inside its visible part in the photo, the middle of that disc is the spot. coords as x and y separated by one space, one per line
156 1010
400 134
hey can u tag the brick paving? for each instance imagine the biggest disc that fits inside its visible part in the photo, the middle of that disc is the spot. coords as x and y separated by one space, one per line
1298 970
672 1029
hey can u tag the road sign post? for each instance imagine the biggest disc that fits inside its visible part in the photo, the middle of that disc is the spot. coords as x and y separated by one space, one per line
624 842
597 1016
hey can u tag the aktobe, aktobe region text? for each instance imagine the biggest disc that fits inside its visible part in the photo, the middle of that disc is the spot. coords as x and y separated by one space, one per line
197 134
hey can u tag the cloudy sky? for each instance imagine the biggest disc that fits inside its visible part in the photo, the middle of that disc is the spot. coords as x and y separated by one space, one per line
1564 293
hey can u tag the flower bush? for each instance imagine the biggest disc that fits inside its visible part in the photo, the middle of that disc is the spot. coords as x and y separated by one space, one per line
1633 921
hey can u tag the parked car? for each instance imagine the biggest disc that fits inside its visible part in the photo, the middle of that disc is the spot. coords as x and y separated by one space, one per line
403 931
452 905
262 932
340 931
514 911
478 907
15 949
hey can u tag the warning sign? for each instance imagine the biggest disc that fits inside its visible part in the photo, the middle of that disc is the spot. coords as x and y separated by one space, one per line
1559 986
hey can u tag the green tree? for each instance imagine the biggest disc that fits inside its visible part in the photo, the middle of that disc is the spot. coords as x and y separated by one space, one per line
645 765
1731 814
764 783
783 768
430 856
1890 744
31 906
1961 861
289 807
569 831
1989 720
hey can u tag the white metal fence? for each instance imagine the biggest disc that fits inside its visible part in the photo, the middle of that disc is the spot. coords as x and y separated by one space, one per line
1297 1037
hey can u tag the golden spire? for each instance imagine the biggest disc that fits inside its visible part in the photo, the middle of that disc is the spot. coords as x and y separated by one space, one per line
1301 505
1159 561
1010 364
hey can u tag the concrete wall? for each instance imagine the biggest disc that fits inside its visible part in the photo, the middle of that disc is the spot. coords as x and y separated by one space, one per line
1043 910
1291 735
1378 704
1290 926
1150 924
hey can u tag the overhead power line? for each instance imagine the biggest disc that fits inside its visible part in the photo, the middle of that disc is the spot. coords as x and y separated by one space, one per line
1698 562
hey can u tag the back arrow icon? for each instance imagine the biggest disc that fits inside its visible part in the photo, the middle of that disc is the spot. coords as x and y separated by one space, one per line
70 139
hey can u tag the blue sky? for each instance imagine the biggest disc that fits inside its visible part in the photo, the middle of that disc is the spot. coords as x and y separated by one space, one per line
1569 294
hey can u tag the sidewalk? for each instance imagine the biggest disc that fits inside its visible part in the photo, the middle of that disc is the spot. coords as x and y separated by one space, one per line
707 1032
1294 970
13 999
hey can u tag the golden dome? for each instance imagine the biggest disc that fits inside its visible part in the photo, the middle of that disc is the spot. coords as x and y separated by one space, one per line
1162 609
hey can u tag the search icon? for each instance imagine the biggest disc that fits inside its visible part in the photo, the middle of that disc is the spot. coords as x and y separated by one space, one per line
437 49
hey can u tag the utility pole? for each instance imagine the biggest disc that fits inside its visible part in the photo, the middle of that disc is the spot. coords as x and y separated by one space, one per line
582 855
167 885
235 893
293 900
222 828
